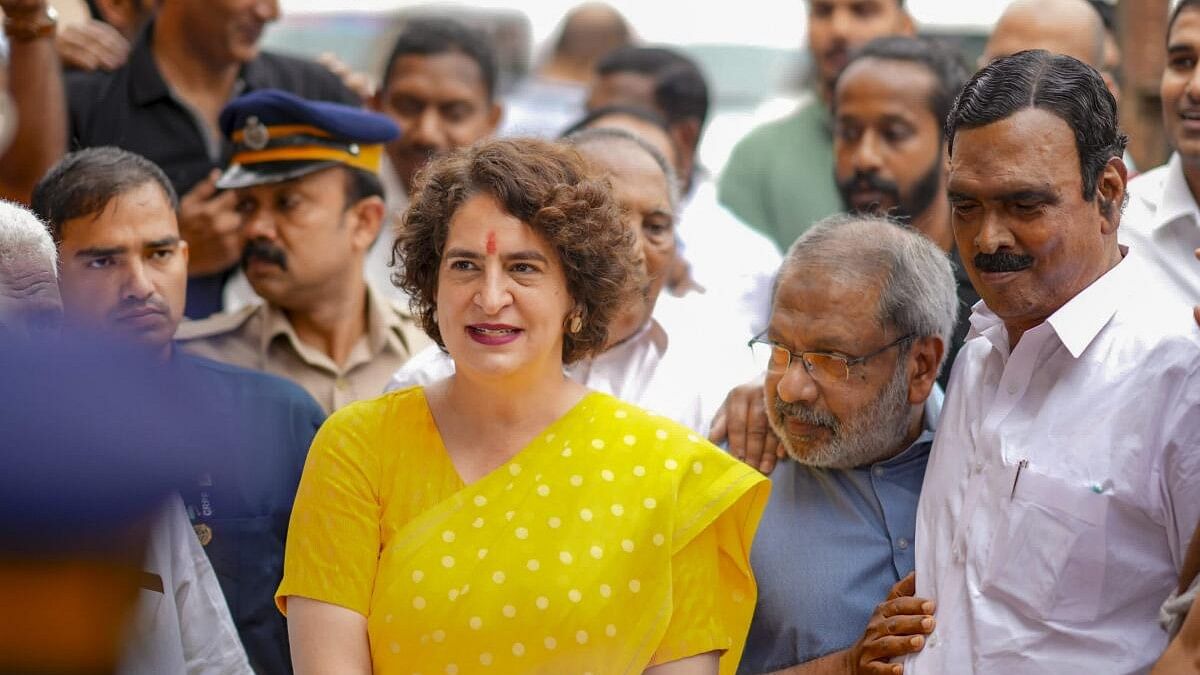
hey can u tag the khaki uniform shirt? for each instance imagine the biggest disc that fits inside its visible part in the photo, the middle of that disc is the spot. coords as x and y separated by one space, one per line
261 337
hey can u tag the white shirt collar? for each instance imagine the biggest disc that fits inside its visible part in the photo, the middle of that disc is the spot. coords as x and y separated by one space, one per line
1079 321
1176 200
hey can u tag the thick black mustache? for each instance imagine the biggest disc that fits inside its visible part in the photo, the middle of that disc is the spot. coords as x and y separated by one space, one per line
264 250
1002 261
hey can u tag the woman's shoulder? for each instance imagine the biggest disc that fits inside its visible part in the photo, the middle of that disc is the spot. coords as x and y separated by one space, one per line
643 431
395 408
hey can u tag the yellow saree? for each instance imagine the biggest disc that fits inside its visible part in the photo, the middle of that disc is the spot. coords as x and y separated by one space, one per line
616 540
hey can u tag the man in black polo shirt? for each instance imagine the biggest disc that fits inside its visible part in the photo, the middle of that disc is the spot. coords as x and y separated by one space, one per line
191 60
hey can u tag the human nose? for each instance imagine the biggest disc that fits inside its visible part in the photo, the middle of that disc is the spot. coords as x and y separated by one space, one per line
993 234
259 224
137 284
494 295
1192 90
267 10
797 384
867 155
839 24
428 129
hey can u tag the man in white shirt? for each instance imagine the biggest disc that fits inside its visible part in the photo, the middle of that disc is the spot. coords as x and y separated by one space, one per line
1162 221
658 357
1064 481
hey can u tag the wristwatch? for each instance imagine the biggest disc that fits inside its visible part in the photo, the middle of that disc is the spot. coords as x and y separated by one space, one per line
33 27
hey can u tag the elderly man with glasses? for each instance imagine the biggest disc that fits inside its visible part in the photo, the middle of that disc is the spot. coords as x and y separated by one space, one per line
862 315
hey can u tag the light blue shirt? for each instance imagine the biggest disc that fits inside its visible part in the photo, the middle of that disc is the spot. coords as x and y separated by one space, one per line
831 544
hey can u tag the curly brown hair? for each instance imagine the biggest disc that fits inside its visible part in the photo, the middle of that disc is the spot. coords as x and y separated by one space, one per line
547 186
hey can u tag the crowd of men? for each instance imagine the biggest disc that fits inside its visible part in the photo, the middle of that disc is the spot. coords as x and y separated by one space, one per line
974 374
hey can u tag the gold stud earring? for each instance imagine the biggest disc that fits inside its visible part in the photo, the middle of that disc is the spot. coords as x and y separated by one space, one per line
576 324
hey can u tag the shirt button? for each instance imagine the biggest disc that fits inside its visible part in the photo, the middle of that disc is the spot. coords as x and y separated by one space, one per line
341 384
1012 390
903 544
878 471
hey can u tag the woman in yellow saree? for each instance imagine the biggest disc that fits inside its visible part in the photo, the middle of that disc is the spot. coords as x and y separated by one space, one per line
507 520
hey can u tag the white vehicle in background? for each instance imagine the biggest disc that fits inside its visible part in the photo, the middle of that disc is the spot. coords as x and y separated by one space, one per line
751 50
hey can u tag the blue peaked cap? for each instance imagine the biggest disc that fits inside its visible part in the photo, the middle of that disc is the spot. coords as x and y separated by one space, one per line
275 107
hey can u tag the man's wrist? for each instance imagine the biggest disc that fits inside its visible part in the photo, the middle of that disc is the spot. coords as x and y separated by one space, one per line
33 23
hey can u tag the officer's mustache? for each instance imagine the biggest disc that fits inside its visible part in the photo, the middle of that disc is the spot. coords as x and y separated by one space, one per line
261 249
1002 261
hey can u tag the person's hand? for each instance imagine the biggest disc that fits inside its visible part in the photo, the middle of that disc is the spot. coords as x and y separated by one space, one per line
210 226
897 627
742 420
360 83
91 45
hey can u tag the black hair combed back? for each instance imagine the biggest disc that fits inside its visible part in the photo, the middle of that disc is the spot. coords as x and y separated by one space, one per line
84 182
428 36
945 65
1070 89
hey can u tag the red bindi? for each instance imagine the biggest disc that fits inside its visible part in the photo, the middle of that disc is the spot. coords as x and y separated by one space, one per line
491 243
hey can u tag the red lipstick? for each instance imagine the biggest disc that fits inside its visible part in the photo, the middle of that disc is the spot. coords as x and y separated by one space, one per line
493 334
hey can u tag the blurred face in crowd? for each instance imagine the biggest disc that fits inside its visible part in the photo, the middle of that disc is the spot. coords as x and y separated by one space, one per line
1069 27
127 16
642 192
440 102
1180 87
124 269
838 27
635 90
1029 240
887 143
301 238
30 303
622 89
502 294
227 30
833 416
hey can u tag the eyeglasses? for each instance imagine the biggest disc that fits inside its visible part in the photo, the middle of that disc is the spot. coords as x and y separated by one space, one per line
821 366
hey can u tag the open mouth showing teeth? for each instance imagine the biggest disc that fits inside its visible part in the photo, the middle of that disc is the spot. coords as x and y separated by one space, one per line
492 331
1193 115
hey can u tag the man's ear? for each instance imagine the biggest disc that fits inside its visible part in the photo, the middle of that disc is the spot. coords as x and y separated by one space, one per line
1110 193
495 115
923 360
366 220
908 26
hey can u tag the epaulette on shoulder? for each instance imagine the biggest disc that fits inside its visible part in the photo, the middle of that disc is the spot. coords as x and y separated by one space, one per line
216 324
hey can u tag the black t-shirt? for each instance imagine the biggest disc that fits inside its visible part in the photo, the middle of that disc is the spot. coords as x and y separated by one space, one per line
133 108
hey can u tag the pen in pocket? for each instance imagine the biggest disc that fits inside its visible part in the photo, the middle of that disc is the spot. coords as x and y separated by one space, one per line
1020 467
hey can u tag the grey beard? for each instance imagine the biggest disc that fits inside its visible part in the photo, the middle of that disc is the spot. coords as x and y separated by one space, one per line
870 436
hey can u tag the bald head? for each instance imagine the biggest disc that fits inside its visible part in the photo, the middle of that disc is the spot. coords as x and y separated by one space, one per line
623 151
592 30
1070 27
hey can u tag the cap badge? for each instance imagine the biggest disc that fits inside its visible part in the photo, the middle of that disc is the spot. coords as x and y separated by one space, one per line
204 533
255 135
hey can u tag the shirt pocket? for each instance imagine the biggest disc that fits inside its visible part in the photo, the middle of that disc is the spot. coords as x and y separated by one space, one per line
1047 556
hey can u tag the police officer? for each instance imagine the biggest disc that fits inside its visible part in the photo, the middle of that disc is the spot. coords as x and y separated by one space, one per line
306 176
